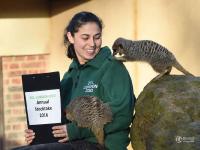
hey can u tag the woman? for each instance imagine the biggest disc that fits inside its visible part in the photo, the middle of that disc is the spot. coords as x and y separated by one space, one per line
94 71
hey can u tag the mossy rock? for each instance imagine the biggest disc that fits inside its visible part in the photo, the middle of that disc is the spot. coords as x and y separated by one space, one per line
168 115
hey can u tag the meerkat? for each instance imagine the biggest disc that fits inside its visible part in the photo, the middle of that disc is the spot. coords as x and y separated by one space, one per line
90 112
160 58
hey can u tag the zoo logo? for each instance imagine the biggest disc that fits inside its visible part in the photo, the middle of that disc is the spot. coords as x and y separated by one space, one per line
90 87
178 139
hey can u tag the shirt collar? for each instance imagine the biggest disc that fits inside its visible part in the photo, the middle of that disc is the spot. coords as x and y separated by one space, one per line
96 62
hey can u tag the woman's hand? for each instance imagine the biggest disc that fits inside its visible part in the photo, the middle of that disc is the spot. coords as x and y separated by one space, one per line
29 136
60 131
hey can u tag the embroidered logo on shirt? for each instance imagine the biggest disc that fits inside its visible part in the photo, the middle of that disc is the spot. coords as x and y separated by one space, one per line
90 87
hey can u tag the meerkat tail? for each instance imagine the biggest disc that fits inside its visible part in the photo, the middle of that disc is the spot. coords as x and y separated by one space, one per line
99 134
178 66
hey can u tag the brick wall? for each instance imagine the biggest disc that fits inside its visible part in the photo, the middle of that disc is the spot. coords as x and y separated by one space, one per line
1 106
13 111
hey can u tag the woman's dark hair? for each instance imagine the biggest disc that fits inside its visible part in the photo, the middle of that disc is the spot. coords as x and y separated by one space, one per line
75 23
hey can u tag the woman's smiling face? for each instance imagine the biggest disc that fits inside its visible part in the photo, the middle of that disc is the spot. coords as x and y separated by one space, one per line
87 41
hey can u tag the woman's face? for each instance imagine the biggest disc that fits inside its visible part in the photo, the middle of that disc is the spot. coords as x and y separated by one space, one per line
87 41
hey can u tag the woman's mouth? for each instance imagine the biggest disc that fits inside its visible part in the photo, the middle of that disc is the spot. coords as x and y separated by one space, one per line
90 51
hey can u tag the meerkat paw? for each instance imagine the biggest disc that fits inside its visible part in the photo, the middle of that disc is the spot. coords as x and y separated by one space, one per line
165 72
159 76
121 59
156 78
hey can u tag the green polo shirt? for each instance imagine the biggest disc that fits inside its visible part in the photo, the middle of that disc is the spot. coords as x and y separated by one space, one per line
108 79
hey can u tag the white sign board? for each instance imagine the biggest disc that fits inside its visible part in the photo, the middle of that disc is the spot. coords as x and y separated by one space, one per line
43 107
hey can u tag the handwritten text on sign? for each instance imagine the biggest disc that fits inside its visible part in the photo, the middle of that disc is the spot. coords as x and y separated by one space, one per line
43 107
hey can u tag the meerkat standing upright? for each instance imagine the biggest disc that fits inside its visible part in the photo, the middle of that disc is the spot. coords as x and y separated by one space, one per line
161 59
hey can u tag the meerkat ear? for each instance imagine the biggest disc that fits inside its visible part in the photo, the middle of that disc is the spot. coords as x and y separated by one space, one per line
118 43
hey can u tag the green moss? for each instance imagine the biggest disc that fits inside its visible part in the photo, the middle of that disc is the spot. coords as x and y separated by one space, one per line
146 115
190 106
165 109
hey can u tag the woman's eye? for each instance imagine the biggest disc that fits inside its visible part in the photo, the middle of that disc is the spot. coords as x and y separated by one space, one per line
85 38
97 37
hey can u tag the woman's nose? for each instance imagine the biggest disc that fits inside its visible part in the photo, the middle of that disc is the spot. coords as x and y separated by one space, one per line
92 42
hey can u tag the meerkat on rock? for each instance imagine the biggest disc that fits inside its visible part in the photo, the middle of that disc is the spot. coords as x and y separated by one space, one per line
160 58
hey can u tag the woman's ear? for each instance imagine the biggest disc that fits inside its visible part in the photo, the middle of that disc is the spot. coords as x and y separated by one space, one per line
70 37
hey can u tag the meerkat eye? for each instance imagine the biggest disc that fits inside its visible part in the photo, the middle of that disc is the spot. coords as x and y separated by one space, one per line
120 46
115 52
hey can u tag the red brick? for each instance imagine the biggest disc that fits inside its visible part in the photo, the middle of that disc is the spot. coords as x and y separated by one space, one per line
12 104
31 57
12 136
6 81
42 71
14 66
16 126
18 111
16 73
17 81
14 89
5 66
31 65
33 71
41 57
19 58
17 96
7 59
